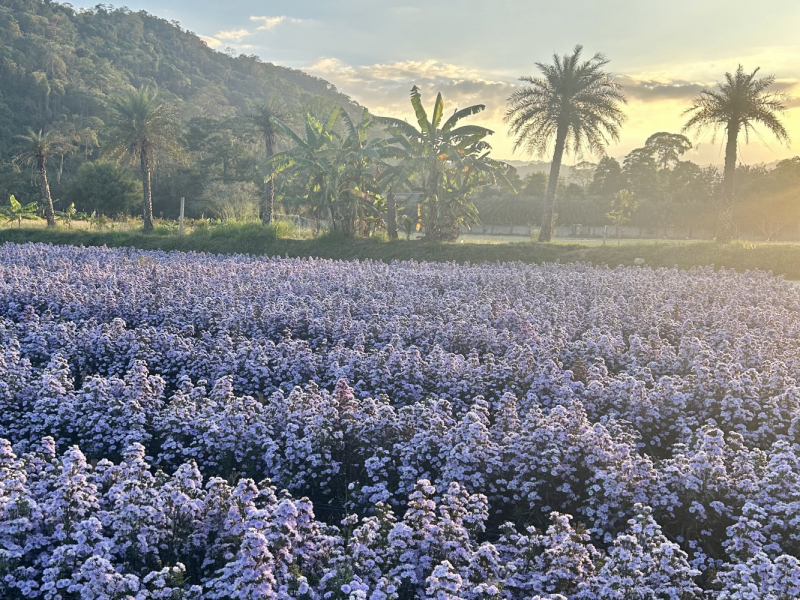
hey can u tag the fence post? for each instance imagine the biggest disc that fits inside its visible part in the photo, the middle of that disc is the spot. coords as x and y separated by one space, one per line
180 220
605 233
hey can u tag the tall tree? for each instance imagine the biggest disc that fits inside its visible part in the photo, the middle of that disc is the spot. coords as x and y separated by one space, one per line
141 125
36 148
667 148
340 172
311 162
452 160
583 172
265 120
641 171
577 104
737 105
222 142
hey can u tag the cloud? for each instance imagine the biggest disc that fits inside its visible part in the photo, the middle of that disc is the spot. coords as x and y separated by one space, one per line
790 87
210 41
654 90
233 35
385 87
269 23
407 71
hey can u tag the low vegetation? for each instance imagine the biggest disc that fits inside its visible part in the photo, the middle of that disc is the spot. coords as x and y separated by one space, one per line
282 238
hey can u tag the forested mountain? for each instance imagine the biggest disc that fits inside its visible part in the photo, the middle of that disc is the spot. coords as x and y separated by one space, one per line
59 67
56 62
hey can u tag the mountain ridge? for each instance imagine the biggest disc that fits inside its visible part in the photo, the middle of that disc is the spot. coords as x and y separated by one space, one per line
58 63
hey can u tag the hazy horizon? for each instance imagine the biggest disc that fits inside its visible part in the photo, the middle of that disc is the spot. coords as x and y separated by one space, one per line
375 51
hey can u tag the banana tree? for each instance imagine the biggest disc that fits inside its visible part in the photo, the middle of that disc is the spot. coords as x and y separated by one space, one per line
451 161
19 212
392 176
67 214
337 173
311 162
363 160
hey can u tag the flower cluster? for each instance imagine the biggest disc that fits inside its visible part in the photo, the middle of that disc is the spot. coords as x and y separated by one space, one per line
416 430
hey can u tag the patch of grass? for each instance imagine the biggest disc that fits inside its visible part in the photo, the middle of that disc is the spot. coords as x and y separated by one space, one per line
281 239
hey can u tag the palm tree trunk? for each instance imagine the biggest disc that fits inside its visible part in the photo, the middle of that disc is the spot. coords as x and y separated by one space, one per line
725 224
147 194
391 216
268 195
546 232
49 213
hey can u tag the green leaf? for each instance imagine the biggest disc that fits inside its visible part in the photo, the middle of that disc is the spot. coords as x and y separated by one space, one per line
460 114
438 110
419 110
399 128
475 131
297 140
334 116
351 129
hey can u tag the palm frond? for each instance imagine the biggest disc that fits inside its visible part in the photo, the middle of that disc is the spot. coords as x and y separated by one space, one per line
739 103
575 97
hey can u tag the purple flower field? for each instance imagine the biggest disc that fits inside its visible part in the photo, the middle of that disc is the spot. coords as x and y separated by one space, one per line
186 426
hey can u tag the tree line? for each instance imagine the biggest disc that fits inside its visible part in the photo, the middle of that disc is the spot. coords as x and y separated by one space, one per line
575 104
62 70
141 147
675 198
348 170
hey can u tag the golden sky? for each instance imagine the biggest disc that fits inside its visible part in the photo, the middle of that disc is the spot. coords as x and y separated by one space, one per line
656 102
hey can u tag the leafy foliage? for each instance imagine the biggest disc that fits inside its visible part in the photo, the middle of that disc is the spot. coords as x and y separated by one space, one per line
17 212
103 187
63 69
450 161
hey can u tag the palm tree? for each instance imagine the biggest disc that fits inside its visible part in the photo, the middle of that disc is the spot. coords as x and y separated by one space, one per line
36 147
577 103
265 120
738 104
143 124
451 160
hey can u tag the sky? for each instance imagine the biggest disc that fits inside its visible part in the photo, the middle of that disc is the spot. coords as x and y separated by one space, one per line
664 53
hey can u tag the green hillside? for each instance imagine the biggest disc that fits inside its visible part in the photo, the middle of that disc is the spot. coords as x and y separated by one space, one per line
56 62
59 67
